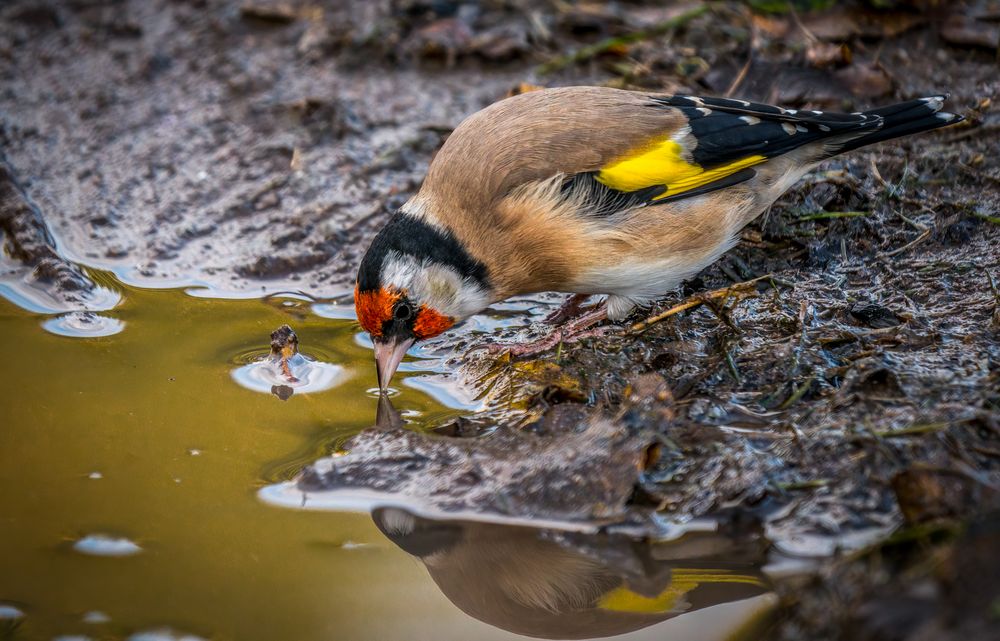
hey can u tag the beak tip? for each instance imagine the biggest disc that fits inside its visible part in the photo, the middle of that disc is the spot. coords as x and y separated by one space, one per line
388 355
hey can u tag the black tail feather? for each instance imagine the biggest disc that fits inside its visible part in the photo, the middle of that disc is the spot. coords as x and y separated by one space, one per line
904 118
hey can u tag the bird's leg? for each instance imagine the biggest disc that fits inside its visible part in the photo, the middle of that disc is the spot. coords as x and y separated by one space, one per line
570 308
575 330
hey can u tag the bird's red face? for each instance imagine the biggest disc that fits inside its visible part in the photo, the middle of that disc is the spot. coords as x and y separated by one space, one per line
395 323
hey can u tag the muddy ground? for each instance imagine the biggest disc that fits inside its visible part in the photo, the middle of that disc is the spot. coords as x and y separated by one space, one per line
256 146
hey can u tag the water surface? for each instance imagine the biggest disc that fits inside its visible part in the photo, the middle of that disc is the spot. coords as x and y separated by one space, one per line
129 470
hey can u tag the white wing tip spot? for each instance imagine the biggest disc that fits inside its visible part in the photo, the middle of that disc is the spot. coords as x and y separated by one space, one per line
947 117
789 128
750 120
824 128
791 111
705 111
800 128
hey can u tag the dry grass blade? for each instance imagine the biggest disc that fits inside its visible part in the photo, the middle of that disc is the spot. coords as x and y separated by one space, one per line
919 239
695 301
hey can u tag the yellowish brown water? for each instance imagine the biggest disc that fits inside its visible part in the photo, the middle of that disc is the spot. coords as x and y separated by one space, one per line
145 435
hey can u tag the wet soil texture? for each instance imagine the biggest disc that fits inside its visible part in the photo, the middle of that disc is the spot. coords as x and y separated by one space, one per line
251 147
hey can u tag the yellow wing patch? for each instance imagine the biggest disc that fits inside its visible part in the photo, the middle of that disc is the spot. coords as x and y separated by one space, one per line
621 599
663 164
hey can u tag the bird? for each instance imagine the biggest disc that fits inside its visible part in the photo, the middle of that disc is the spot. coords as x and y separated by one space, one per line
593 191
574 585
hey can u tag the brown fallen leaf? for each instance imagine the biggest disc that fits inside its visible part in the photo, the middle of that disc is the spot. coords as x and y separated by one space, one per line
966 31
825 54
865 81
840 25
926 494
275 12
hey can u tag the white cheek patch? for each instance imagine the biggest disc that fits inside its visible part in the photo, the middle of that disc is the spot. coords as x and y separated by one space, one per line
438 286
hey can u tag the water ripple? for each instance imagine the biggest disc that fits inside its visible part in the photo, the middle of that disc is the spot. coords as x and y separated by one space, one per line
83 325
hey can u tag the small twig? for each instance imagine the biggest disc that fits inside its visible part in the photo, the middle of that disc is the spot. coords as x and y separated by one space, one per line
913 223
919 239
972 171
797 394
738 80
741 76
731 362
810 36
914 430
971 130
831 214
695 301
877 174
996 299
990 219
804 485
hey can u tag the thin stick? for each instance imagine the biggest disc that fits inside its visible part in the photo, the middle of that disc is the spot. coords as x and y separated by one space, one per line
695 301
738 80
919 239
831 214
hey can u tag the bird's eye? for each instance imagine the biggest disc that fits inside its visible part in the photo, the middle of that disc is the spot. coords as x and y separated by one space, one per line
402 312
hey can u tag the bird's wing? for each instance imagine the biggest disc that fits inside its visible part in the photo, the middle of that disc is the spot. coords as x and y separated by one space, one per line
720 142
630 148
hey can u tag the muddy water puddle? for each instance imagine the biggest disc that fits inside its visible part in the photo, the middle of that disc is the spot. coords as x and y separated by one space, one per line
135 443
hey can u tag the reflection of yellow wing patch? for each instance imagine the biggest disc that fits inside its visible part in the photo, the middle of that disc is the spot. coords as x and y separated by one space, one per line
621 599
664 164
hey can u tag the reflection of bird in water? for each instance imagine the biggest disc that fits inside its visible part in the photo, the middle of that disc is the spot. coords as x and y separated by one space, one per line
572 586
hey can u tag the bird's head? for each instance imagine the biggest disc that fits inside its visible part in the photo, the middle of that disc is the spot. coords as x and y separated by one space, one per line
415 281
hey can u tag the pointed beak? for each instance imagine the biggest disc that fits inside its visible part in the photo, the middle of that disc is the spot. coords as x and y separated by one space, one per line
389 354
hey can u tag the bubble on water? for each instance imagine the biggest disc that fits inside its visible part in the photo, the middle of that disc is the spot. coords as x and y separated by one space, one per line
354 545
95 617
104 545
337 310
83 325
95 475
194 452
10 612
308 375
163 634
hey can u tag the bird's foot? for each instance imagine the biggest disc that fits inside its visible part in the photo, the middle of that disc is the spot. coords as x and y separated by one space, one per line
570 308
573 331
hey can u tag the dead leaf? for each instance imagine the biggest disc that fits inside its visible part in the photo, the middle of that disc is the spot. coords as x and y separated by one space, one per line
825 54
865 81
965 31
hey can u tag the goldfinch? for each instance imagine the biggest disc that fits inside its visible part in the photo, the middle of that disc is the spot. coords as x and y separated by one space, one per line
592 190
577 587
